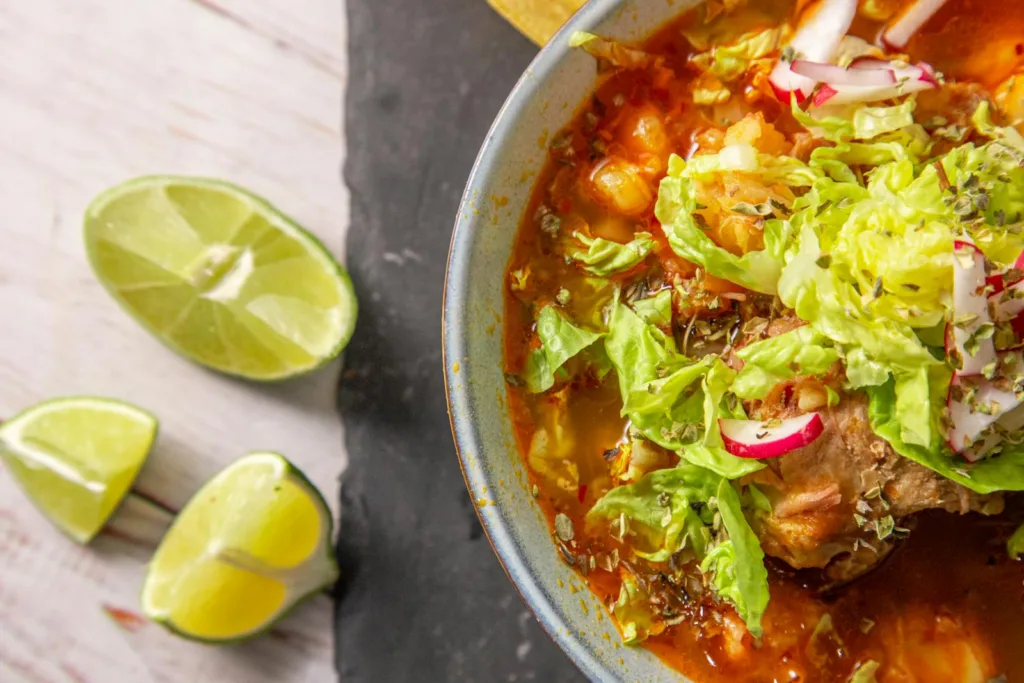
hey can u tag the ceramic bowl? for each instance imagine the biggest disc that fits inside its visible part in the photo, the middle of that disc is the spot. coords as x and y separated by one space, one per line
547 96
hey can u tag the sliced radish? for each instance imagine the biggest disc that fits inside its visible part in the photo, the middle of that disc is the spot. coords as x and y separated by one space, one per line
999 281
902 71
907 79
816 40
756 439
970 311
976 404
1011 422
899 33
1008 303
1007 307
837 75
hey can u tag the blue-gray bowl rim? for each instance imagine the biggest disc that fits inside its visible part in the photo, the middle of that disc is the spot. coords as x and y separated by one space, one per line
467 437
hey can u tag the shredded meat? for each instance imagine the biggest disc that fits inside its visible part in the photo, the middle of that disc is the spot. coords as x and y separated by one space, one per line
816 492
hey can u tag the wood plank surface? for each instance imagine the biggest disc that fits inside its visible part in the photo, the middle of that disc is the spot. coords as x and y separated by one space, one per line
93 92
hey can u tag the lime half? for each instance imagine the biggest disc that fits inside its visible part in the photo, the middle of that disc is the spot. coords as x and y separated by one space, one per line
254 541
77 457
220 276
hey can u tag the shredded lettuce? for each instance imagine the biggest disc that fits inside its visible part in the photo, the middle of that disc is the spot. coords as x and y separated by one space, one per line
671 510
672 400
581 38
745 158
1015 544
669 411
756 270
864 123
865 672
633 612
657 309
603 258
638 351
707 89
729 62
871 264
819 293
913 391
717 23
610 50
737 563
665 511
560 340
803 351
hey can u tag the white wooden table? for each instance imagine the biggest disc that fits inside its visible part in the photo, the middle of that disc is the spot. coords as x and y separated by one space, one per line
93 92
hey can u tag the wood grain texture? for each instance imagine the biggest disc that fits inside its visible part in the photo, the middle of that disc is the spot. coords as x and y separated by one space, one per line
95 92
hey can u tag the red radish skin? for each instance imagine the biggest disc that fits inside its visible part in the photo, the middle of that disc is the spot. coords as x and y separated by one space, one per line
824 94
816 40
969 299
741 436
900 32
996 282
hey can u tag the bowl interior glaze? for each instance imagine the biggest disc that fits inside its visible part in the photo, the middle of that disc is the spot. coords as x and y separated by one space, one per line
550 91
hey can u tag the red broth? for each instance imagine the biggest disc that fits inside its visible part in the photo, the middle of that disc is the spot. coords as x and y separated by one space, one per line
948 604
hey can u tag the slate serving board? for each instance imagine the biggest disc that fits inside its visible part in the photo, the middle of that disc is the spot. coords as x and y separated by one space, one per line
422 596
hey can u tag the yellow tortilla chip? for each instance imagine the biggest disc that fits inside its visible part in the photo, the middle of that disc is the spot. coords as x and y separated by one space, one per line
537 19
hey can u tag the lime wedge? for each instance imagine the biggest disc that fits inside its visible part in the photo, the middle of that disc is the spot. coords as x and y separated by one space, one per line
254 541
77 457
220 276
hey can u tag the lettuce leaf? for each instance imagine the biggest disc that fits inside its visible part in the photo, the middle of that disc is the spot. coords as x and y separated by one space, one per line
862 372
729 62
707 89
603 257
669 411
744 158
912 392
560 341
737 563
674 509
803 351
818 293
756 270
865 672
864 123
1004 472
672 400
876 345
633 612
657 309
665 510
610 50
1015 544
639 352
